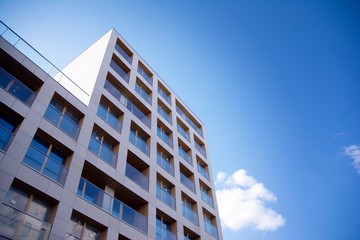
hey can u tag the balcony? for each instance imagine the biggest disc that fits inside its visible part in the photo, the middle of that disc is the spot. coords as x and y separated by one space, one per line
165 196
165 137
183 132
190 214
203 172
102 151
165 163
127 103
146 76
206 197
185 155
200 149
5 138
124 54
16 88
109 117
187 182
15 224
211 229
113 206
164 95
187 119
164 234
142 93
45 165
63 122
137 177
140 143
119 70
164 114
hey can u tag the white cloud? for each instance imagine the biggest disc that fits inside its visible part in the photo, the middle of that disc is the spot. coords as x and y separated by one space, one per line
242 203
353 152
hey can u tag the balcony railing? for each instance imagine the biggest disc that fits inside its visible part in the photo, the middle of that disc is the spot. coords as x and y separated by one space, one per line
164 114
123 53
109 117
190 214
164 234
211 229
119 71
200 149
145 75
185 155
136 176
203 172
165 137
139 143
165 197
5 138
187 182
183 133
127 103
115 207
61 121
15 224
16 88
16 41
164 95
142 93
187 119
207 198
102 151
165 164
46 165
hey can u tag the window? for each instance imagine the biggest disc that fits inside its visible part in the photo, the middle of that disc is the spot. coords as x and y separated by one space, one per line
106 113
164 161
139 141
124 51
164 134
47 159
82 230
8 125
163 229
102 148
164 93
120 68
62 117
143 91
145 73
188 210
24 216
163 192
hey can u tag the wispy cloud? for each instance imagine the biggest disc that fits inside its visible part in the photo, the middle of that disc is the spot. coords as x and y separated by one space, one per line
242 203
353 152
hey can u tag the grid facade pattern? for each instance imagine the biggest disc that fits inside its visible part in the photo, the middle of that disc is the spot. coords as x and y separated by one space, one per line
131 164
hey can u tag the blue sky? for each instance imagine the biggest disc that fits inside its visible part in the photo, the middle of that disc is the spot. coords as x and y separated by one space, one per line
276 84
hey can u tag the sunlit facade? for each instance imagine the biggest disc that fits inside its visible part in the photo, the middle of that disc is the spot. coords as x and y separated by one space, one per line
103 149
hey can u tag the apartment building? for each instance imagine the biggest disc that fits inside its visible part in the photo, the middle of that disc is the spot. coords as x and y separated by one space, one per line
103 149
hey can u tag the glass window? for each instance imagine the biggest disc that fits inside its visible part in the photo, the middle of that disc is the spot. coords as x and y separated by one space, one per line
81 230
7 128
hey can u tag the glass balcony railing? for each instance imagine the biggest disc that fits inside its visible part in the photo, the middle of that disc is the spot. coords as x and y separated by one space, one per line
203 172
102 151
187 182
164 234
46 165
118 209
145 75
16 88
136 176
140 143
207 198
109 117
183 133
5 138
127 103
142 93
20 44
190 214
200 149
119 71
164 114
211 229
165 197
15 224
165 164
123 53
164 95
165 137
185 155
62 122
187 119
